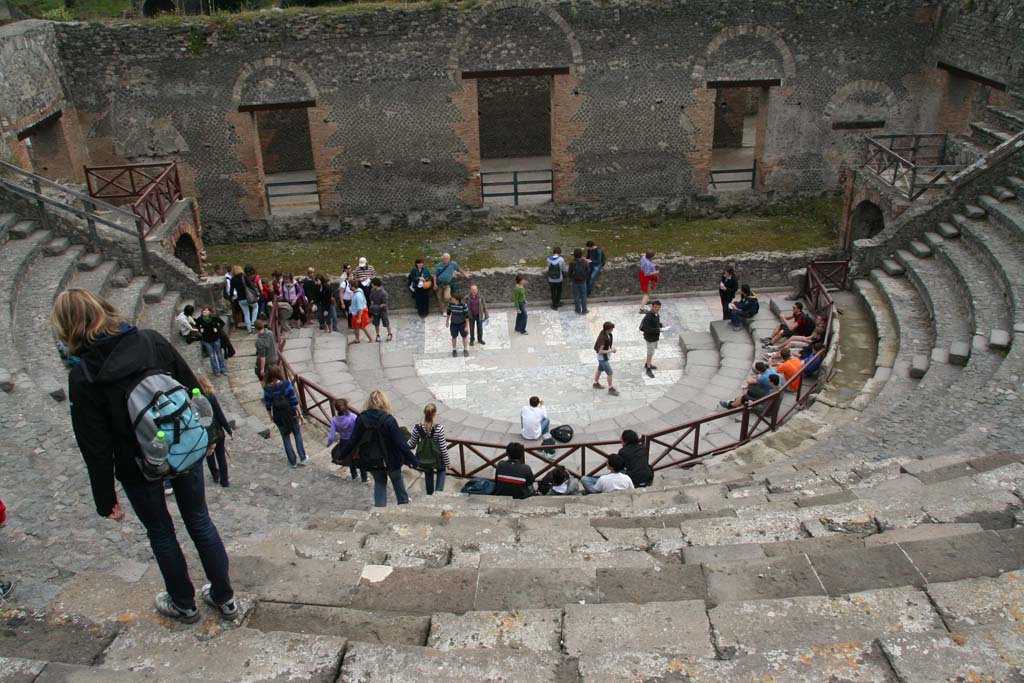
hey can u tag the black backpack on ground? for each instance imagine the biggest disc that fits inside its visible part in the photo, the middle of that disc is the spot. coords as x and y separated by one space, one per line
372 449
562 433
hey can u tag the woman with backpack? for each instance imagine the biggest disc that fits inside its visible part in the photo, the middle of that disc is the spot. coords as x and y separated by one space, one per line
431 444
283 407
382 449
114 357
217 459
245 295
580 275
342 424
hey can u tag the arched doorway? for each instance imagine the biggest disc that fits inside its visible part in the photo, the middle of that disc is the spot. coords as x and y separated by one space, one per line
866 221
185 251
154 8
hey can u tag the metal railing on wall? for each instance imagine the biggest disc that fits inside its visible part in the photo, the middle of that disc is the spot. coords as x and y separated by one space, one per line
61 198
271 192
681 445
496 184
734 176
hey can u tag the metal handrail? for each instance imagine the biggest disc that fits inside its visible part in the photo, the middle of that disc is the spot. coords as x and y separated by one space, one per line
515 183
756 418
731 171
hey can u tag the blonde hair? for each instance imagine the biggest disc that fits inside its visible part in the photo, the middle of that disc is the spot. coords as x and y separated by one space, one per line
80 317
429 413
377 400
205 385
236 270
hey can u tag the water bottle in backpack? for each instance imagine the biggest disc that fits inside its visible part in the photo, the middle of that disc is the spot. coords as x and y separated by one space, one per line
156 455
202 408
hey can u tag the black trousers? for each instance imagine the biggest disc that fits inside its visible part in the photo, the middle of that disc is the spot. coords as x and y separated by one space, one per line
726 298
556 294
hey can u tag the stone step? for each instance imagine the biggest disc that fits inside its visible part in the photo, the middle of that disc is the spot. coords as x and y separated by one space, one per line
979 285
912 319
974 212
1004 258
6 221
343 622
988 135
920 249
89 262
160 315
885 327
893 267
933 240
999 339
122 278
723 333
1006 119
948 230
1016 184
950 314
1003 194
56 247
1008 215
22 229
128 299
154 293
985 653
405 664
97 279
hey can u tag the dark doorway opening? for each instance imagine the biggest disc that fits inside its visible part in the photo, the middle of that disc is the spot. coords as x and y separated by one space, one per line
515 138
48 149
286 154
185 250
154 8
741 120
866 221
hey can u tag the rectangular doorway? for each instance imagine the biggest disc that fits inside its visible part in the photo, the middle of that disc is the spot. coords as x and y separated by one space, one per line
740 123
515 138
286 151
48 149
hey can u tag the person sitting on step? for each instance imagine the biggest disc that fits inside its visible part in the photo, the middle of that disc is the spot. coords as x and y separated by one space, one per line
558 482
802 325
758 386
616 480
797 342
513 477
744 309
634 460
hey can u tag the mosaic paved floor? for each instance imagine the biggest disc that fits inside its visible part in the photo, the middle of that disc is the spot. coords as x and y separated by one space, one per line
555 360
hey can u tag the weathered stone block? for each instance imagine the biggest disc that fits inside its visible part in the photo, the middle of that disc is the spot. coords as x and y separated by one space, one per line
987 653
679 628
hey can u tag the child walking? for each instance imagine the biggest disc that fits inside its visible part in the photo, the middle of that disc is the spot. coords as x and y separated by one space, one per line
341 429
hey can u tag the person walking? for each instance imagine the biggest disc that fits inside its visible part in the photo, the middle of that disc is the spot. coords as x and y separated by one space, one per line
211 328
283 409
595 255
477 315
266 350
246 295
651 327
360 313
580 274
557 269
648 279
217 459
342 424
457 320
430 444
445 272
604 347
379 307
420 284
6 586
519 299
727 289
113 354
382 449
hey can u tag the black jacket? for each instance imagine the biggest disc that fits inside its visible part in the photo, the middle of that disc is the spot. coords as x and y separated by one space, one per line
513 479
99 414
238 287
651 326
398 447
730 284
634 457
210 331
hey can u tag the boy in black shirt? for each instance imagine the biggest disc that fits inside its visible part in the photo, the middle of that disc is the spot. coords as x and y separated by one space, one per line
513 477
457 321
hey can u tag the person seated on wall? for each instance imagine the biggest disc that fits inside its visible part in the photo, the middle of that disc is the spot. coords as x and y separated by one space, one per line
558 482
186 323
800 325
513 477
758 386
744 309
797 342
616 480
790 367
634 460
534 420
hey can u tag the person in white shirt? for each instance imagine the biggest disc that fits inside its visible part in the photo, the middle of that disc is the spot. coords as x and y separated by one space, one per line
616 481
534 420
187 324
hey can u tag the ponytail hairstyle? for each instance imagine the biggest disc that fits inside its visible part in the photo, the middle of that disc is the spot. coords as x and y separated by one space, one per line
429 413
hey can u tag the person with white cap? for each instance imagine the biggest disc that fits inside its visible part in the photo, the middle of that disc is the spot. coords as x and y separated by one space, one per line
363 274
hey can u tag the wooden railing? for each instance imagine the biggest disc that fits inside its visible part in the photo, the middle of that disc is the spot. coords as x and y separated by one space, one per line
679 446
911 164
152 189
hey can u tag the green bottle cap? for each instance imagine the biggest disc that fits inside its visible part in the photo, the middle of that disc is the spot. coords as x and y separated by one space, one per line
160 436
196 392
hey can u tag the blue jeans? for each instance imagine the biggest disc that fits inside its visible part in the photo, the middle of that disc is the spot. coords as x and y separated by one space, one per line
380 487
594 272
328 317
249 311
216 354
579 296
286 438
434 479
737 316
150 507
589 484
521 318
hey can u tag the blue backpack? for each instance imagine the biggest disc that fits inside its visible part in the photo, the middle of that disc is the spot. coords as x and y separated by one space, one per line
479 486
157 402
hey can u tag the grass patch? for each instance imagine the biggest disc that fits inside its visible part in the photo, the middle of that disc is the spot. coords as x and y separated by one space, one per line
56 10
787 228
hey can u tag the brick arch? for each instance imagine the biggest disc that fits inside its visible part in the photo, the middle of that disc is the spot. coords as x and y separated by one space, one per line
893 102
763 32
253 68
470 19
186 236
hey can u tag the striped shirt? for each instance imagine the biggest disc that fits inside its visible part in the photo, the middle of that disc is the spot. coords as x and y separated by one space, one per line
458 313
277 387
647 266
364 274
438 434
